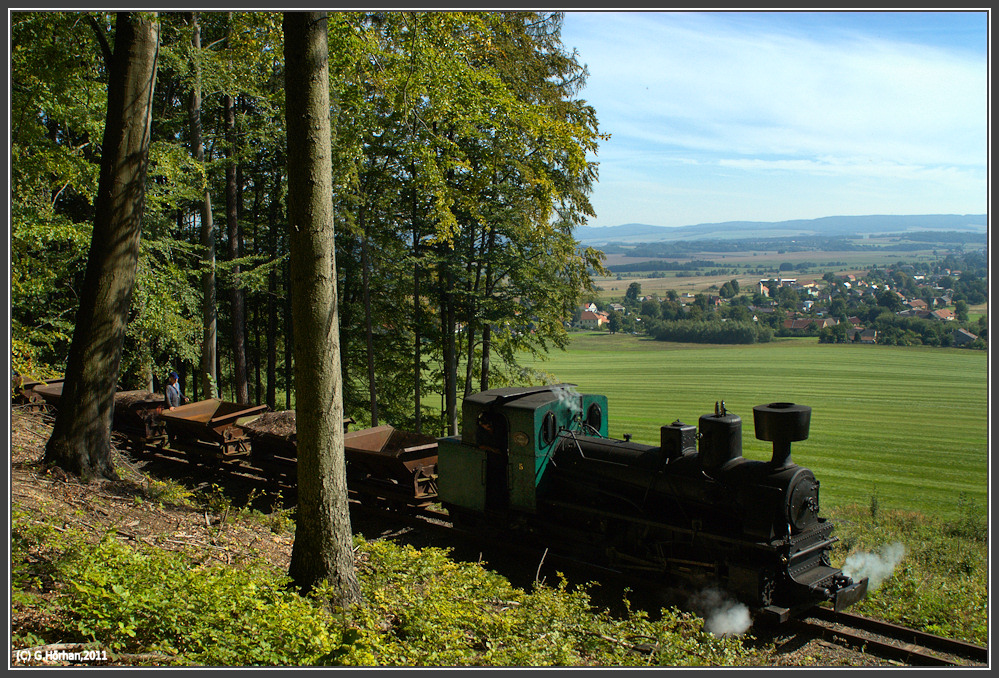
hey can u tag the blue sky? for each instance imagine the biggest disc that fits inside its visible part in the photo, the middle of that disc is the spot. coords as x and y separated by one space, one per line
770 116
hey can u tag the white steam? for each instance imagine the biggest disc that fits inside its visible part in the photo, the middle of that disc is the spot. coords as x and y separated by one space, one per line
875 566
568 397
722 615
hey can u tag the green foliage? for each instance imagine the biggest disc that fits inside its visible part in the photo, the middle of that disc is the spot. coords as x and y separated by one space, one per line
459 153
167 492
940 585
129 600
423 609
164 319
57 117
710 332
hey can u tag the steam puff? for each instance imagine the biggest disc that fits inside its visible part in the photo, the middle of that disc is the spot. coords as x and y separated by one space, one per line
722 615
568 397
875 566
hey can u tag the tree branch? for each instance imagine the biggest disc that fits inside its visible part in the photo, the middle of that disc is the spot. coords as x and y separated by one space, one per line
102 39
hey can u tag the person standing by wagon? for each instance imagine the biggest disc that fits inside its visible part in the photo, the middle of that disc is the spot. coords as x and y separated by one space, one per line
173 395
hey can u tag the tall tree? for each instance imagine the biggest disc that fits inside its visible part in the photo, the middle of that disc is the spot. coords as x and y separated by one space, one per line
233 201
81 437
57 111
236 300
209 372
323 549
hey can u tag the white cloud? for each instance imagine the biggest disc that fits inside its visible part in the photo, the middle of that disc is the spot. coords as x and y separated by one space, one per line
744 94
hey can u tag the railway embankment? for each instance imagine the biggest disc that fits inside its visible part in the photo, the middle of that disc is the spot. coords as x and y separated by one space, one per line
161 570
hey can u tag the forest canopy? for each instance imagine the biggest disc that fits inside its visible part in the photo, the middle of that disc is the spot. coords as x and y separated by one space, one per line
461 166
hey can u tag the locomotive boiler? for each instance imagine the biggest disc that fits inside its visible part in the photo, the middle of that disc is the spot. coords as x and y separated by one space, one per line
690 511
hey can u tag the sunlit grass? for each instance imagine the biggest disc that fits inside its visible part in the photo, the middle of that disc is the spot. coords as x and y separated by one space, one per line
910 423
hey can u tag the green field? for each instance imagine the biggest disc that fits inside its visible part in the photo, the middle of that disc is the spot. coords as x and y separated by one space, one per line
907 424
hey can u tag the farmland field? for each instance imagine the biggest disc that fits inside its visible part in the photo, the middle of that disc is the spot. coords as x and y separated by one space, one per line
744 266
908 425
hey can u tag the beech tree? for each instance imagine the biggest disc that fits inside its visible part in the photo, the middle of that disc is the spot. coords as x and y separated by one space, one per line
323 549
81 436
209 373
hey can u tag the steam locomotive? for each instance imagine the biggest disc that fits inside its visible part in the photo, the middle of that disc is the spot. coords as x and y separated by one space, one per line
690 510
537 462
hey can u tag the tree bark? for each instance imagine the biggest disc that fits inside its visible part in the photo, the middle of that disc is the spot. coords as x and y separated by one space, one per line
209 372
323 549
449 347
487 327
81 436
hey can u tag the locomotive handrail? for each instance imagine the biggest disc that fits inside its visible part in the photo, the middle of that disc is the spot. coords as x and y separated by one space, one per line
814 547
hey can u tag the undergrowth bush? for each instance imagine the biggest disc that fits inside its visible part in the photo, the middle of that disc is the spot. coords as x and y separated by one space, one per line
932 573
145 600
421 609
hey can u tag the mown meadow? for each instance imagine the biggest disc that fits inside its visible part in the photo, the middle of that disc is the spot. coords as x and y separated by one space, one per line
903 427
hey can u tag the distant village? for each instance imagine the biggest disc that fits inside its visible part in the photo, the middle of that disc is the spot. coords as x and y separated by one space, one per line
898 306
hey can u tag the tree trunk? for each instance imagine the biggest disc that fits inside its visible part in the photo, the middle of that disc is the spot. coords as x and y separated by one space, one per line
81 436
272 296
449 347
254 329
323 549
487 327
473 309
209 373
417 335
289 340
368 320
240 379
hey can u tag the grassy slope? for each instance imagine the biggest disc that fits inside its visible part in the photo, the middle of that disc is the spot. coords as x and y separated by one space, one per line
909 424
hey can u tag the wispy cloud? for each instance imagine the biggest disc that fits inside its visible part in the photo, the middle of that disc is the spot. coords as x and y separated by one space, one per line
748 93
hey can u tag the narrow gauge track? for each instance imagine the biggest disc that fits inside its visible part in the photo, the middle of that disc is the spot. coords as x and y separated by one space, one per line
889 641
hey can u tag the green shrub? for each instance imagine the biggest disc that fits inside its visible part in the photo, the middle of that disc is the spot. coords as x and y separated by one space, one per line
131 599
140 600
423 609
940 585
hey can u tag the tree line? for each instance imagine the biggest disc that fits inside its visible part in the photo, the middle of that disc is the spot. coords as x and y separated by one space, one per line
460 166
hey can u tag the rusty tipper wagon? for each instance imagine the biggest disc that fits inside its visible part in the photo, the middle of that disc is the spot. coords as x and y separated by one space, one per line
211 429
25 393
136 413
392 463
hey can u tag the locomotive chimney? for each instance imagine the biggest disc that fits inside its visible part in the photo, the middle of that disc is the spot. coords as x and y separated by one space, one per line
781 424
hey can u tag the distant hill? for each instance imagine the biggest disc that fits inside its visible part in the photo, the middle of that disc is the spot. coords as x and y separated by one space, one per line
825 226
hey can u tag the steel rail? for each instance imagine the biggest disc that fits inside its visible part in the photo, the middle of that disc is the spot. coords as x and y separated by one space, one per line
911 645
